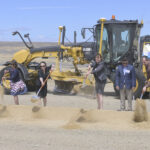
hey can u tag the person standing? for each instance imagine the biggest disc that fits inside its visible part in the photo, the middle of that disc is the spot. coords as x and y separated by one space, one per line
43 73
146 71
125 83
144 63
98 69
17 86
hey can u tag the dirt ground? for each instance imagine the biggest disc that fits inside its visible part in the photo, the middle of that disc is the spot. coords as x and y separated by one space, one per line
70 122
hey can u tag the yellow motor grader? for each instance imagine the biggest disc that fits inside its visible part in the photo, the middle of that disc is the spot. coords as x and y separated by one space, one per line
113 39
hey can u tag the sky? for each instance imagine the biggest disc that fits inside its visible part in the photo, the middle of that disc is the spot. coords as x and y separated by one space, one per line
41 18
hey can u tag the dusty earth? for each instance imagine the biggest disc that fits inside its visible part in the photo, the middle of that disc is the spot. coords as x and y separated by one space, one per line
70 122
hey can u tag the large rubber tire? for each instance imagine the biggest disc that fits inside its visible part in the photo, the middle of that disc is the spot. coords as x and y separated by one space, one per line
31 85
6 90
140 81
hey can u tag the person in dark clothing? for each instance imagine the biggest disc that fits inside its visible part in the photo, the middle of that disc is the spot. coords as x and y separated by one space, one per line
43 72
144 62
17 86
98 69
147 74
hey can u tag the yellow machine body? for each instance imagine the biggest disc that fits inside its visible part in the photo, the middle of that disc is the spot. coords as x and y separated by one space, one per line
74 52
25 57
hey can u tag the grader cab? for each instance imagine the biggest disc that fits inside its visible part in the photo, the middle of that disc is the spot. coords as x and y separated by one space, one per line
119 40
114 39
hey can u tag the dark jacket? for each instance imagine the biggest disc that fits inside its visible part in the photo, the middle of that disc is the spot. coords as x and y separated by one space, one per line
43 75
14 75
129 79
99 71
148 70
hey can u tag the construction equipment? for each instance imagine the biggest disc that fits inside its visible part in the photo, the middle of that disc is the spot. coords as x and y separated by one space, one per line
113 39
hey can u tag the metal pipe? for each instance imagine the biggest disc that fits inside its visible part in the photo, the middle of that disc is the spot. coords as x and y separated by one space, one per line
60 30
57 59
27 36
75 37
102 20
16 32
63 35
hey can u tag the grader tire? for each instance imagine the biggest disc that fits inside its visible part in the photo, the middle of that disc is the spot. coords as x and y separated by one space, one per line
6 90
31 85
140 82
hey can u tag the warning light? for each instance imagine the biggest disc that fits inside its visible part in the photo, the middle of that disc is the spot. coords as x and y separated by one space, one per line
113 17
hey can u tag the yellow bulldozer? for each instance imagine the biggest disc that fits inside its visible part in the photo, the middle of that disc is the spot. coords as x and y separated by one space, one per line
113 39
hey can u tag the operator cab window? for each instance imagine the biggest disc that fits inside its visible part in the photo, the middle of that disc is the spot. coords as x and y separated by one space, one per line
105 44
121 42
